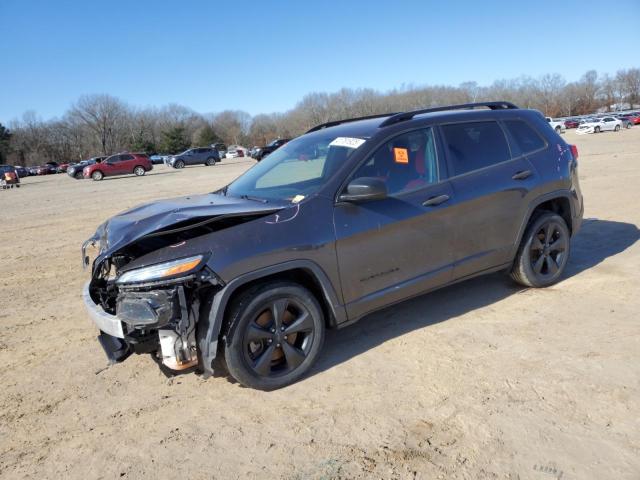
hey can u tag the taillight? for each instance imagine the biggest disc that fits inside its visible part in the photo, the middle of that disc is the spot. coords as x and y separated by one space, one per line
574 152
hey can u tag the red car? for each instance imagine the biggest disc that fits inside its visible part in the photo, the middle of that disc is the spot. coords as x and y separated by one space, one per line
120 164
635 118
571 123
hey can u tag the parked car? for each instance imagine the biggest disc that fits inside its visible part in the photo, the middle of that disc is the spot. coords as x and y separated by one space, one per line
572 123
207 156
48 168
9 177
158 159
597 125
397 205
75 170
120 164
62 168
21 171
269 148
556 125
33 170
235 151
221 148
627 121
635 118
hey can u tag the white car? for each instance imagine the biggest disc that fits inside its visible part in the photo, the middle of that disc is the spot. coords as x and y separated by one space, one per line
556 125
234 151
597 125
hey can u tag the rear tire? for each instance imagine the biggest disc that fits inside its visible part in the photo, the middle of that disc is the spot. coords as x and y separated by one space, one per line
139 171
274 335
211 162
543 252
97 175
617 129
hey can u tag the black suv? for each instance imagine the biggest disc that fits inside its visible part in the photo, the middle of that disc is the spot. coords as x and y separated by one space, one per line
349 218
262 152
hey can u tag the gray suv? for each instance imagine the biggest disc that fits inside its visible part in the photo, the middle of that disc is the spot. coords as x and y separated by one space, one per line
207 156
354 216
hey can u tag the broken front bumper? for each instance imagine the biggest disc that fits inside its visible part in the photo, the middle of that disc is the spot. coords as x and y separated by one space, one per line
107 323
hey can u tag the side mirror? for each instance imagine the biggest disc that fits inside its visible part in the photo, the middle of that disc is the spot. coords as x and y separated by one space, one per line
364 189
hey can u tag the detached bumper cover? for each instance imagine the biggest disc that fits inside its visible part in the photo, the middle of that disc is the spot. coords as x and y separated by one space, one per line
107 323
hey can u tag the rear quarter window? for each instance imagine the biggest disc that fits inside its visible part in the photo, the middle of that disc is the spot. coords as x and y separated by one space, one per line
475 145
524 138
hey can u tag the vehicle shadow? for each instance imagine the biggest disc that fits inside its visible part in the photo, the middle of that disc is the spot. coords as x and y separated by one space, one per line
596 241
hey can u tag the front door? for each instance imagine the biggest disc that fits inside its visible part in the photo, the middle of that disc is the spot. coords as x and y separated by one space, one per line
400 246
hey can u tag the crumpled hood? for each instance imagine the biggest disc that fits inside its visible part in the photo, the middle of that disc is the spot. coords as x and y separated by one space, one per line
131 225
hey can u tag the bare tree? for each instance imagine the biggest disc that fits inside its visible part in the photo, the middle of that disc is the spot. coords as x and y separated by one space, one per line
103 115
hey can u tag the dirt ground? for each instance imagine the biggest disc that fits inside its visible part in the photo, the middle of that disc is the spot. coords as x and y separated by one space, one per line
479 380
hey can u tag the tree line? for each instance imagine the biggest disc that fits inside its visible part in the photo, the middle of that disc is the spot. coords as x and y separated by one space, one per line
103 124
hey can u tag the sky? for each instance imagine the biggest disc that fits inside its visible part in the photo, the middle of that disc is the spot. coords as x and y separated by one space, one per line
264 56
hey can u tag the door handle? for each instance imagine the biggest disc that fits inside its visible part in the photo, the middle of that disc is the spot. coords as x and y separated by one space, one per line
433 201
522 175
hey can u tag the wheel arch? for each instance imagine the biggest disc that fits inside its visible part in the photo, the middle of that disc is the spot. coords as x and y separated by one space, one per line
305 272
558 202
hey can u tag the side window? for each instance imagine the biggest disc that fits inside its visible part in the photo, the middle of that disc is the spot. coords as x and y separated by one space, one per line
126 157
475 145
406 162
524 138
113 159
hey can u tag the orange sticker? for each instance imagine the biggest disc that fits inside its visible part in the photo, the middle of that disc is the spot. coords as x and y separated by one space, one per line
401 155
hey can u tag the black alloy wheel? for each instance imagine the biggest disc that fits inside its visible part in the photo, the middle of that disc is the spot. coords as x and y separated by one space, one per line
275 335
543 252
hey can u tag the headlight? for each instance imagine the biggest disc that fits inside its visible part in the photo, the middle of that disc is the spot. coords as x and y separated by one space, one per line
161 270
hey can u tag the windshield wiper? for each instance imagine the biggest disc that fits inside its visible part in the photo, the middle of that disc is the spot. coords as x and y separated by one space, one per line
255 199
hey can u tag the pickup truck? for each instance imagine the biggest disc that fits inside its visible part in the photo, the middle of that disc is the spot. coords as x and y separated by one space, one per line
558 126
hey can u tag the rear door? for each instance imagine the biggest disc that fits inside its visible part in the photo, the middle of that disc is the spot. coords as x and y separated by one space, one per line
610 123
489 187
126 164
400 246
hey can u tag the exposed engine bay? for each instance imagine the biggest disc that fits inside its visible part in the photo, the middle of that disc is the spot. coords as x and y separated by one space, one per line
153 294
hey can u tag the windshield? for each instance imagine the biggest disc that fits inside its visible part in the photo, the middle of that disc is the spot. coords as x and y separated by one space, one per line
297 169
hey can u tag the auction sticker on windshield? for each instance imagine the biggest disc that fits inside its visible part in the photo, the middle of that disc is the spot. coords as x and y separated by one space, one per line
348 142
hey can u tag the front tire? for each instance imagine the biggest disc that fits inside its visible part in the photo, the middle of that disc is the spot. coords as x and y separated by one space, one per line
543 252
178 164
596 130
274 335
558 130
97 175
78 176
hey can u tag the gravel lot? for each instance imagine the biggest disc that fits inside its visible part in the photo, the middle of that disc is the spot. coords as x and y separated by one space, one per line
479 380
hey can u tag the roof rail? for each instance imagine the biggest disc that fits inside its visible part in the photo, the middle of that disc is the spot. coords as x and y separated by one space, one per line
347 120
401 117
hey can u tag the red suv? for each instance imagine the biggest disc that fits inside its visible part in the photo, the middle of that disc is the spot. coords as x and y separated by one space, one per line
120 164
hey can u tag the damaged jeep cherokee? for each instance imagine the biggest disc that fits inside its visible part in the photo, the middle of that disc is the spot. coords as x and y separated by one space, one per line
351 217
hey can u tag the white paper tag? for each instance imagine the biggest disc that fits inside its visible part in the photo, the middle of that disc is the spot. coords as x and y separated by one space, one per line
348 142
